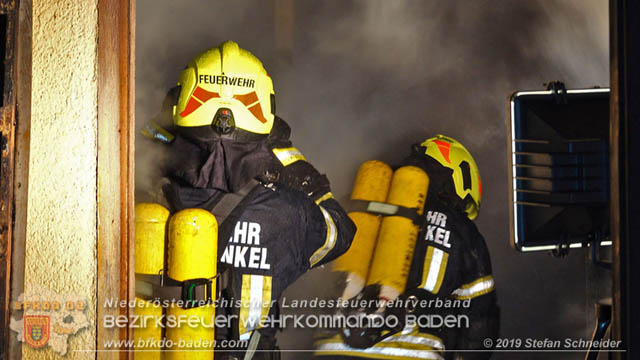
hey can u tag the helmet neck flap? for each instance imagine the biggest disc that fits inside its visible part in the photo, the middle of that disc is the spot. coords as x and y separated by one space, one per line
222 163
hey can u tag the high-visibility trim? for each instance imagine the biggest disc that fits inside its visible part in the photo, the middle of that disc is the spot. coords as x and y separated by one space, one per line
442 272
444 148
435 267
481 286
330 241
411 335
395 351
245 298
252 103
406 345
266 299
426 266
203 95
192 105
256 110
199 97
256 297
288 156
324 197
247 99
255 308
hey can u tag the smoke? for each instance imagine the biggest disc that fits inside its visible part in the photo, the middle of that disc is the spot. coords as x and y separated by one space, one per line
365 79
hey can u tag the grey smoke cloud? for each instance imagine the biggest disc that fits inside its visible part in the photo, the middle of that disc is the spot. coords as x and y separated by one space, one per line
365 79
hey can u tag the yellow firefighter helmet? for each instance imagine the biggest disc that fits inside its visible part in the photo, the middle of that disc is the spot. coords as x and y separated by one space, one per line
466 176
225 87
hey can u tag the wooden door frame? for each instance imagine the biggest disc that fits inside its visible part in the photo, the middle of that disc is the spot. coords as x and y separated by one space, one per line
116 181
9 13
115 163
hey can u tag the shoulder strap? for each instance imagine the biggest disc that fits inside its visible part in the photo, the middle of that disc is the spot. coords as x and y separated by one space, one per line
253 345
228 203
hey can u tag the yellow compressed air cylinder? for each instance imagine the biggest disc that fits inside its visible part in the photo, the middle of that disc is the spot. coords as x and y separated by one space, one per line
192 254
372 184
148 336
397 237
150 228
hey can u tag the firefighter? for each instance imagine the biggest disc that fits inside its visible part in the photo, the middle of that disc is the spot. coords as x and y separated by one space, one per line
450 262
277 217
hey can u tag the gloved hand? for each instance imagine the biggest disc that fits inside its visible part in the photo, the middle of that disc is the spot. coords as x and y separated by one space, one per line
301 176
362 336
373 319
396 314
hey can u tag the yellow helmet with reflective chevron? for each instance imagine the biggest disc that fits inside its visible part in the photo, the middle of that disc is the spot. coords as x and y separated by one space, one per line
225 87
466 176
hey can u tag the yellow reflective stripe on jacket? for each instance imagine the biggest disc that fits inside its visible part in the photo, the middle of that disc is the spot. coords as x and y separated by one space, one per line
266 299
330 241
481 286
288 156
324 197
435 267
408 344
418 339
393 351
256 300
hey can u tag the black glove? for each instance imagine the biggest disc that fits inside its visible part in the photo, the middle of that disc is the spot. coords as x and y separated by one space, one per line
302 176
407 303
372 318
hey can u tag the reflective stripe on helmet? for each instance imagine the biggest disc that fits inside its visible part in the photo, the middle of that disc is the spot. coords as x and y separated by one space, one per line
444 148
199 97
252 103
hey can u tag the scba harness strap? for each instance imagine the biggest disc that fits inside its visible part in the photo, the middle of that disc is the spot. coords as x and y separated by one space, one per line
385 209
187 294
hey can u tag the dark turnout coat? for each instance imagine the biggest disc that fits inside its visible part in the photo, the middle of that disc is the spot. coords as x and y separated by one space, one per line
286 224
